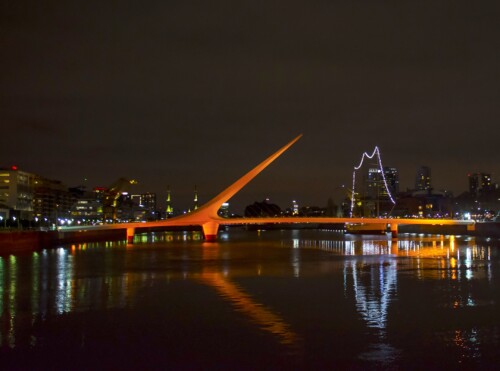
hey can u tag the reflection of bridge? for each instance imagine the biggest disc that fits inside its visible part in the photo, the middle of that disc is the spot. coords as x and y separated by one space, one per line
206 216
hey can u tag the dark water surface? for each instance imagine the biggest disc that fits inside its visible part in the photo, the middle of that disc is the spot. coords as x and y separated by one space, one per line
268 300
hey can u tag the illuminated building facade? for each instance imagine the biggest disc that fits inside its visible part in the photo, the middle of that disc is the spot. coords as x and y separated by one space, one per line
138 207
169 209
224 210
17 192
392 179
195 200
86 209
423 179
51 200
378 190
480 183
379 187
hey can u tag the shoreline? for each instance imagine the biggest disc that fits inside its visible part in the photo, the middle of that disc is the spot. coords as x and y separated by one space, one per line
30 240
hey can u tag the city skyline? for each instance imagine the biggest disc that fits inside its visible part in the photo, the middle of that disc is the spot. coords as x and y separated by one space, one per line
367 180
196 94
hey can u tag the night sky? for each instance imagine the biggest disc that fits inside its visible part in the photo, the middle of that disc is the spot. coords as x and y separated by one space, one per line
198 92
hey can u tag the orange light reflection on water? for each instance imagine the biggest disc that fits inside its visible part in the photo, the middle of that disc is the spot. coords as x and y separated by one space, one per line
264 317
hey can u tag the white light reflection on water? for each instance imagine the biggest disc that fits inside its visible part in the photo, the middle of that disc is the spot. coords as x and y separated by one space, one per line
8 300
374 285
12 299
63 292
295 258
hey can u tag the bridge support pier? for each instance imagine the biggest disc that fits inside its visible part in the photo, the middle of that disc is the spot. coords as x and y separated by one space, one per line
394 230
210 230
130 235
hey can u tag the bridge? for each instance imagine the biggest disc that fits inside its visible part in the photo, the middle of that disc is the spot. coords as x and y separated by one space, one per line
207 218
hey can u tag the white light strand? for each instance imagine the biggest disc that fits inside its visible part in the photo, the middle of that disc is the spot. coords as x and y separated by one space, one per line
353 192
376 151
366 155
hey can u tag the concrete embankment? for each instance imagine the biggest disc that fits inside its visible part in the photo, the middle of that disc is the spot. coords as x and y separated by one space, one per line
18 241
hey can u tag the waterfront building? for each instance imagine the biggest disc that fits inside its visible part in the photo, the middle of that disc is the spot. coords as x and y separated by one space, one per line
423 179
30 196
52 200
86 210
17 189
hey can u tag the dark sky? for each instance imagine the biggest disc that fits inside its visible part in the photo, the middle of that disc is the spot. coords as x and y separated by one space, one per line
198 92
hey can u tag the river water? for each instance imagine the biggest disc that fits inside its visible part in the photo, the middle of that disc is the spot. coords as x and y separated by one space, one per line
254 300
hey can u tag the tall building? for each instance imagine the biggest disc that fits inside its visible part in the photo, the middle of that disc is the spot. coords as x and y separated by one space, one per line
392 179
195 201
148 200
52 200
87 209
29 196
479 183
138 207
17 190
375 185
423 179
169 209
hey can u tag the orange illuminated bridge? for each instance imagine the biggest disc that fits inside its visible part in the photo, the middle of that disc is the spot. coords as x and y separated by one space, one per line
206 216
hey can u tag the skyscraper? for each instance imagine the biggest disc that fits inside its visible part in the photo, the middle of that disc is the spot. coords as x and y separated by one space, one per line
392 178
479 182
169 210
17 191
423 179
195 201
376 187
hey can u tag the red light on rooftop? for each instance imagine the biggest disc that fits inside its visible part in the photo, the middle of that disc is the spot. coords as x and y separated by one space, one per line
13 167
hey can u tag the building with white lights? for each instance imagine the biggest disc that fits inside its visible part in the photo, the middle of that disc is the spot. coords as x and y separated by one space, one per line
17 190
423 179
52 200
480 183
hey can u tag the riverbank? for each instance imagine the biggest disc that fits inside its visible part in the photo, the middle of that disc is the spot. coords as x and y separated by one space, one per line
22 241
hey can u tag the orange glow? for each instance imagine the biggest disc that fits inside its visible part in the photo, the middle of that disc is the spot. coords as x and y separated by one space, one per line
242 302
